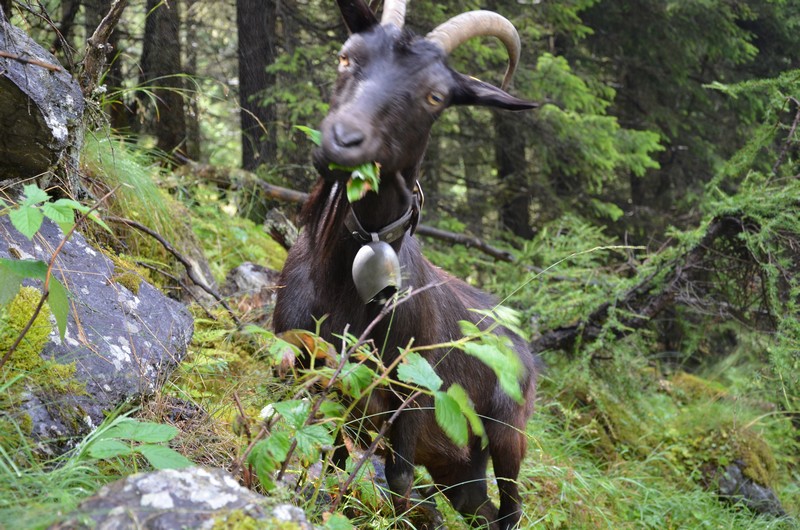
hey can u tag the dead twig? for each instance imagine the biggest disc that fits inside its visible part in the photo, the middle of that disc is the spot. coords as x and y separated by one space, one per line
183 285
190 271
35 62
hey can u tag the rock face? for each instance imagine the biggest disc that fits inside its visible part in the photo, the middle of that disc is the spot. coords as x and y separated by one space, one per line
40 110
735 487
122 343
185 498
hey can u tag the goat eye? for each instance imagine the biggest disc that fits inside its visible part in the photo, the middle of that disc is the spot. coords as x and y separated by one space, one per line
435 98
344 60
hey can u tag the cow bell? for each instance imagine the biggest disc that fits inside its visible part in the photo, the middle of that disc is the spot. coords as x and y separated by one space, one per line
376 271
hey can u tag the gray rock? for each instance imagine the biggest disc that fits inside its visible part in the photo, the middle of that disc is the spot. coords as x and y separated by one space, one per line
252 289
185 498
249 279
40 111
735 487
123 344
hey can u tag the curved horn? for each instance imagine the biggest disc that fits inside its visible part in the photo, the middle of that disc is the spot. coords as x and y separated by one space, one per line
394 12
459 29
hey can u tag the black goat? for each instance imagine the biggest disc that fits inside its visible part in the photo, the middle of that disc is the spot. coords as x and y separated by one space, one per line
392 86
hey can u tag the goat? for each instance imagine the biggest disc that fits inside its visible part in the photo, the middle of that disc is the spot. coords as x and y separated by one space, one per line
391 87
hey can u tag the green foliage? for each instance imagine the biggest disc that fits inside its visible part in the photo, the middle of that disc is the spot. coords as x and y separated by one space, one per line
126 437
363 178
229 239
27 218
12 272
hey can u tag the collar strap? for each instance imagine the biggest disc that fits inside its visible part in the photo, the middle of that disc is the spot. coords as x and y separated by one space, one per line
393 231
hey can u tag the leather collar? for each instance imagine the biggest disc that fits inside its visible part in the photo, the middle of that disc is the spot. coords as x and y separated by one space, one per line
394 230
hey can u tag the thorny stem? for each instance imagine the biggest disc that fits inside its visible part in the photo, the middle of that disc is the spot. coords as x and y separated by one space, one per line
49 273
373 446
387 309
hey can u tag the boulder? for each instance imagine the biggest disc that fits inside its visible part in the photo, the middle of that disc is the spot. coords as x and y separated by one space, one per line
736 487
181 498
123 338
41 106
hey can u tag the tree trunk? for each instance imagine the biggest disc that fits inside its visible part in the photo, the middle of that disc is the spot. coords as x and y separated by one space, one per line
255 21
192 110
69 10
509 149
161 64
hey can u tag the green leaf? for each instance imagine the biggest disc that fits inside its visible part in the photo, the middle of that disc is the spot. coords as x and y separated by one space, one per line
450 419
90 214
314 135
311 439
58 301
59 211
141 431
34 195
264 463
27 220
163 457
9 285
66 227
356 189
338 522
468 329
295 412
460 396
355 378
123 428
417 370
503 361
277 445
27 268
369 172
105 449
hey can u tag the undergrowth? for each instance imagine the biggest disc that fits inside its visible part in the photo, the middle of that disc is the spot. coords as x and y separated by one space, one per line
632 429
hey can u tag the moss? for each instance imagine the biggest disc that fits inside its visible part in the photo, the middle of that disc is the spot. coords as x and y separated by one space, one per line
239 520
14 319
128 279
45 373
695 388
759 462
26 423
126 272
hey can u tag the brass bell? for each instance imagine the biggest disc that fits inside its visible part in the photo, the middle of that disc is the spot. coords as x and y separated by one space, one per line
376 271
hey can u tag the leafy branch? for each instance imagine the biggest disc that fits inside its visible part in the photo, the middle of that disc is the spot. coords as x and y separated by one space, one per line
27 218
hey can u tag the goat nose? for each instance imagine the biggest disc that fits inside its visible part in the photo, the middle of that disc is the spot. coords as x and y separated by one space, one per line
345 136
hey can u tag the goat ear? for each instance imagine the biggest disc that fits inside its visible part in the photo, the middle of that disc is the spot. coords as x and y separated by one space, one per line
471 91
357 15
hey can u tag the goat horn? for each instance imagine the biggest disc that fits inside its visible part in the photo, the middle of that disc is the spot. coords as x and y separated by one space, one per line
394 12
459 29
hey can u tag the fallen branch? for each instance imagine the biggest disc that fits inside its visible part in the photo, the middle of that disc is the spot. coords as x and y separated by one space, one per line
185 262
233 178
643 302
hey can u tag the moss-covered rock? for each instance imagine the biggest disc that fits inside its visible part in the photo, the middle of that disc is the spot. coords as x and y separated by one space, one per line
27 357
